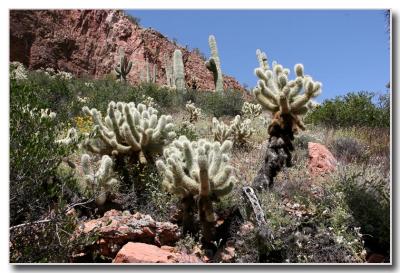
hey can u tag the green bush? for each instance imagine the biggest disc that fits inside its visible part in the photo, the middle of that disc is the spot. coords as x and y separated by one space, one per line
366 191
34 155
353 109
227 103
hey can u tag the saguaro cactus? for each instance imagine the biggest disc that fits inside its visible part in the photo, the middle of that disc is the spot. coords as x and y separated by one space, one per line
151 77
124 67
179 73
286 101
214 65
101 182
169 71
198 168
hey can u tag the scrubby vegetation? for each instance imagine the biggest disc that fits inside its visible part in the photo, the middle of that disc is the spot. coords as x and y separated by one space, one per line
80 147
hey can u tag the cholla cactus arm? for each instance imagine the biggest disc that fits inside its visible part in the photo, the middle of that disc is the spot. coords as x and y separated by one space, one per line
214 65
179 73
262 60
99 183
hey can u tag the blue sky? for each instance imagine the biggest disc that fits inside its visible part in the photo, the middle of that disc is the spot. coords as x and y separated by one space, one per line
347 50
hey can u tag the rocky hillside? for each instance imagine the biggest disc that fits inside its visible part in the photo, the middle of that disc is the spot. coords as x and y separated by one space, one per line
87 42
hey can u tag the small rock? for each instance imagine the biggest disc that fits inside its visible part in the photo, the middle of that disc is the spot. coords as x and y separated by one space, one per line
321 160
117 228
145 253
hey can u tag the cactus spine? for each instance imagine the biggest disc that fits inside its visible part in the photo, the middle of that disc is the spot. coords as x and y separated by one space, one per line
198 168
179 74
101 182
214 65
123 68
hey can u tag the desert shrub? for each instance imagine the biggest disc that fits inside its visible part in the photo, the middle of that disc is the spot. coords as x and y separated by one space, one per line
34 155
348 149
227 103
133 19
366 191
56 93
38 190
187 129
353 109
152 200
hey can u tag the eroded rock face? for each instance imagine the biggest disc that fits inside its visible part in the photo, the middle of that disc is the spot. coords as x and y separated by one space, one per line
320 159
116 228
87 42
145 253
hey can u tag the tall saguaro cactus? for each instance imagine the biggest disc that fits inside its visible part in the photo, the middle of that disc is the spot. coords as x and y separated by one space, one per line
179 73
124 67
287 100
214 65
169 71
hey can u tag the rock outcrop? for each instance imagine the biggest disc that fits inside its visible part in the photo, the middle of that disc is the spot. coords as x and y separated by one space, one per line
117 228
145 253
87 42
320 159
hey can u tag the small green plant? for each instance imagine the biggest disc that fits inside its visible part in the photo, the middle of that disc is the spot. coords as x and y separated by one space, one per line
353 109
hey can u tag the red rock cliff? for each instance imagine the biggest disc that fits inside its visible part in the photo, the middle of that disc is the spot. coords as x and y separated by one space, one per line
87 42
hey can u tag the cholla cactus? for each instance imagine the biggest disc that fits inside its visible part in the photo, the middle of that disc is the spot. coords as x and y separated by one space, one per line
179 73
198 168
287 100
47 113
251 110
71 138
241 130
194 112
123 68
279 95
221 131
214 65
148 101
18 71
129 130
101 182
